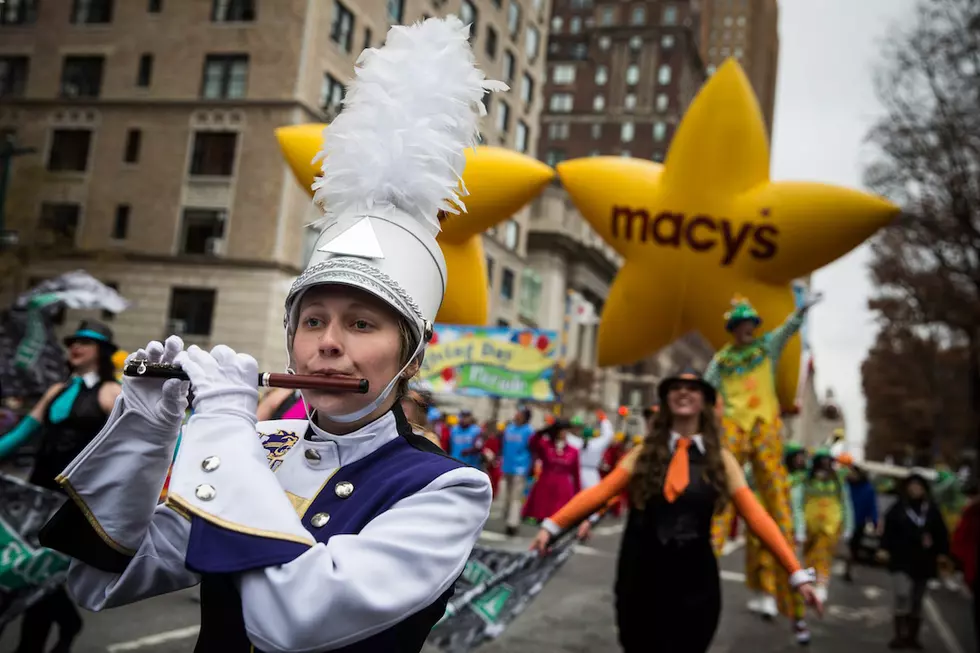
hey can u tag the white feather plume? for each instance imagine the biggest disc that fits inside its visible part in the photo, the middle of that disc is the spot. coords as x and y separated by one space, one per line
410 113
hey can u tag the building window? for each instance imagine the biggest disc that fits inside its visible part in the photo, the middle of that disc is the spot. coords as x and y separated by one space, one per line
134 139
669 17
367 38
639 16
491 45
738 53
513 19
599 103
120 225
728 21
563 74
580 51
61 220
469 15
601 75
554 157
81 77
664 75
632 74
575 25
214 154
710 70
21 12
331 94
509 66
629 102
502 323
662 102
561 102
507 284
627 132
512 235
608 16
154 6
659 131
605 43
109 316
200 230
13 76
531 287
69 150
626 154
192 310
503 117
636 42
596 131
667 41
725 52
342 28
520 137
396 11
490 272
91 12
225 76
232 11
531 42
556 24
527 89
144 72
558 131
658 157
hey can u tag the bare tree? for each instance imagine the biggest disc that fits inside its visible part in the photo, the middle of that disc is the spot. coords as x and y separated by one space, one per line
927 265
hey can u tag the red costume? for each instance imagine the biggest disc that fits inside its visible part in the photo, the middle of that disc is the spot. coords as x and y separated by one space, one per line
964 545
559 480
492 446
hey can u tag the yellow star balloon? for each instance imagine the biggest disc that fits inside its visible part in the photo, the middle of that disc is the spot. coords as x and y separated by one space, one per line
499 182
709 223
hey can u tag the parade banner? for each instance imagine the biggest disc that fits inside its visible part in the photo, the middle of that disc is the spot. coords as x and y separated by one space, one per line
27 571
491 362
485 617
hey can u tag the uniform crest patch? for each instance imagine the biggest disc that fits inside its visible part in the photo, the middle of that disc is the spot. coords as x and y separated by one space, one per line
277 445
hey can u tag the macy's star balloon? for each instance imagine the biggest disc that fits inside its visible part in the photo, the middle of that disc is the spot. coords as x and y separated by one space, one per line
708 224
499 182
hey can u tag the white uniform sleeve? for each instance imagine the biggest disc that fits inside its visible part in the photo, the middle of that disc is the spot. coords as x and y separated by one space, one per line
355 586
156 568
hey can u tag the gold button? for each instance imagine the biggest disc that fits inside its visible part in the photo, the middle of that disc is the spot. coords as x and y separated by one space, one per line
344 489
211 463
312 454
205 492
319 520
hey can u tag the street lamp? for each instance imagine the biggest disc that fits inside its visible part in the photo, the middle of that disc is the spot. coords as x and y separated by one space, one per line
8 150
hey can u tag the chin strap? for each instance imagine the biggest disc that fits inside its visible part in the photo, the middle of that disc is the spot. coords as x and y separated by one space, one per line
348 418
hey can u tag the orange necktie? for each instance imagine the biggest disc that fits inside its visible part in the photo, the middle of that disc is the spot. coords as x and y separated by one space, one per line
678 473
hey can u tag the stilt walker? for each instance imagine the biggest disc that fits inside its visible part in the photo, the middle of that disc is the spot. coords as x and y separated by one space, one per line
744 374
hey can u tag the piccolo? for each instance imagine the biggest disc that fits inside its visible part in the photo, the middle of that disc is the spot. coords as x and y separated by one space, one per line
338 384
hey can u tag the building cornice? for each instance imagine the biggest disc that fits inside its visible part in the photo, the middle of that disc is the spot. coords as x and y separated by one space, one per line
573 250
166 103
114 256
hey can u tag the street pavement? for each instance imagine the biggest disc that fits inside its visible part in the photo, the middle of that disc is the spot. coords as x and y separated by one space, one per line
574 614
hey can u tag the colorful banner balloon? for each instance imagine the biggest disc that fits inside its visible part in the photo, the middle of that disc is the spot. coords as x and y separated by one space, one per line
499 181
491 362
708 224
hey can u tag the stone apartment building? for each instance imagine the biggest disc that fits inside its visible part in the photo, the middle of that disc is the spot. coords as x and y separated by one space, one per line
155 165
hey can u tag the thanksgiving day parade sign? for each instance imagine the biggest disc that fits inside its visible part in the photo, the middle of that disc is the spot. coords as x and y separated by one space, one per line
491 362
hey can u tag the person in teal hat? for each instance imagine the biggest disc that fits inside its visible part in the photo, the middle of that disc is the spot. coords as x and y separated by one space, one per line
68 417
828 515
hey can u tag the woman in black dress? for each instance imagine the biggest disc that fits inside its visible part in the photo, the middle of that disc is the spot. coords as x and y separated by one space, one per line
668 592
68 416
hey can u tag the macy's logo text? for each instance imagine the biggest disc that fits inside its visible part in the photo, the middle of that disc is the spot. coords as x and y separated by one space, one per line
702 233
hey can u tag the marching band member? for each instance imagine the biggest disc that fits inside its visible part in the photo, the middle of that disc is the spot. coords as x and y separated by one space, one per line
345 531
668 593
68 417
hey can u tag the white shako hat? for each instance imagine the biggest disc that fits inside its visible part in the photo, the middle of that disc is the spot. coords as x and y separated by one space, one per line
391 161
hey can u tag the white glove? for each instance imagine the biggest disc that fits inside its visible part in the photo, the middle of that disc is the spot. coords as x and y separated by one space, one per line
811 301
225 383
161 402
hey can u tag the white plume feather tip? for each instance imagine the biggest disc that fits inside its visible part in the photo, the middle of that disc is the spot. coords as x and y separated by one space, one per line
410 113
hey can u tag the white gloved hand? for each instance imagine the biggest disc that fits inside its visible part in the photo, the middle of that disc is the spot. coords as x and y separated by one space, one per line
225 383
161 402
811 301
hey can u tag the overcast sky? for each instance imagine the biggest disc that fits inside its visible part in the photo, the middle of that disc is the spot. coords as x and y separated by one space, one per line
825 103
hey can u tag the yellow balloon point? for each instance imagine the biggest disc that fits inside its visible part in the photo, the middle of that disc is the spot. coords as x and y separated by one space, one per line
499 181
709 223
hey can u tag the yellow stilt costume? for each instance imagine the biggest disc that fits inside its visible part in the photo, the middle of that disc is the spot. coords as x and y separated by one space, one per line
827 515
744 374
